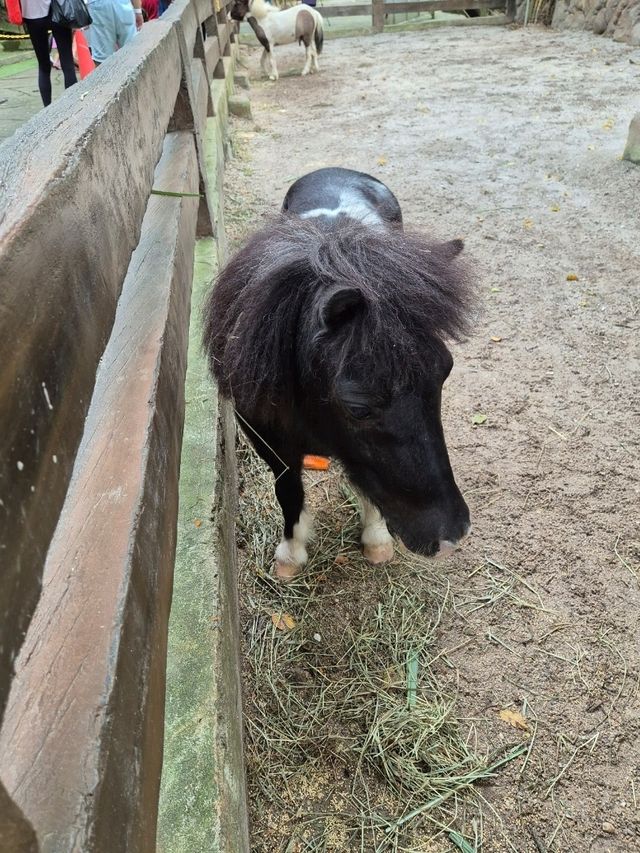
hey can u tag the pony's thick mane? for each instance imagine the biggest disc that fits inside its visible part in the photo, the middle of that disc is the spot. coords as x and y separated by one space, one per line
263 329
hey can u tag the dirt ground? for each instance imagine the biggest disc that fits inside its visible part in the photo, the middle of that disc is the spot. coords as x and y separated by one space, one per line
512 139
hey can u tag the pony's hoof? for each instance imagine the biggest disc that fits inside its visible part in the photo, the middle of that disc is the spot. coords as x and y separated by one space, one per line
287 571
304 73
272 77
377 554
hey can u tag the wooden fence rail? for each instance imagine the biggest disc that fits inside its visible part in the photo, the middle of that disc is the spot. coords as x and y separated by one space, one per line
96 263
379 10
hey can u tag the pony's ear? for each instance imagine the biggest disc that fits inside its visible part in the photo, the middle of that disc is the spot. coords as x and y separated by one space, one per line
340 306
452 249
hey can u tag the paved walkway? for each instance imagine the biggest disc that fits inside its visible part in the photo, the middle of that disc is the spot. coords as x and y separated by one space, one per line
19 96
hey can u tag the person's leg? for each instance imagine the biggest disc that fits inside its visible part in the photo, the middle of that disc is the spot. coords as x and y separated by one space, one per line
64 41
38 29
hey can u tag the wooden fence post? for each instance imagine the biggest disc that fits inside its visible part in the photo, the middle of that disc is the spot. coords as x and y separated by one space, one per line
377 15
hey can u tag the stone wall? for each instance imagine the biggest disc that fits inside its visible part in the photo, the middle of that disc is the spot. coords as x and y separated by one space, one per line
619 19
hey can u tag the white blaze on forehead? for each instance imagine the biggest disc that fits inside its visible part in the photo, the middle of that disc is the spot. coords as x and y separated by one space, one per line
349 204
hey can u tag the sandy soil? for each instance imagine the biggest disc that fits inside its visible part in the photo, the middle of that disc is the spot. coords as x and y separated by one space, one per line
512 139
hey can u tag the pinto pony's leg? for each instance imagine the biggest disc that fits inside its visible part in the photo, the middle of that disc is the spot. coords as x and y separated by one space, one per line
376 539
307 64
274 68
305 29
263 62
291 553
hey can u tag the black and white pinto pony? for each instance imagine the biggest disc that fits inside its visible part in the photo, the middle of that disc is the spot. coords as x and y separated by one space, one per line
273 26
327 330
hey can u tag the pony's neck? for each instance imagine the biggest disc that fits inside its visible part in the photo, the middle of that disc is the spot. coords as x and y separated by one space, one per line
260 9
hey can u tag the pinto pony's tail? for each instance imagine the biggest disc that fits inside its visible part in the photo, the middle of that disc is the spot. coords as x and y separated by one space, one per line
318 35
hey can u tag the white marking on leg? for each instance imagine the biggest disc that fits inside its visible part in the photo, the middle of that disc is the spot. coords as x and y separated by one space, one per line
291 554
376 539
274 67
314 54
307 64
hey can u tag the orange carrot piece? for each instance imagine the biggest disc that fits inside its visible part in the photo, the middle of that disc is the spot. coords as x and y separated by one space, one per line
316 463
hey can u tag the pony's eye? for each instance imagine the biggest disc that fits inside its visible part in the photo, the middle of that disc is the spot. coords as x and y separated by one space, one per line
358 411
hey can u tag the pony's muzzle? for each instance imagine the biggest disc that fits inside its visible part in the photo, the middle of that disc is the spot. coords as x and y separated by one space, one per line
446 548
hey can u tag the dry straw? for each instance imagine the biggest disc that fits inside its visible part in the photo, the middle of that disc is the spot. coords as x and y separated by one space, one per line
351 732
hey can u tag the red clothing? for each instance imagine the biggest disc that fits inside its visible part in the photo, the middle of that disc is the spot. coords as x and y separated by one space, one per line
150 9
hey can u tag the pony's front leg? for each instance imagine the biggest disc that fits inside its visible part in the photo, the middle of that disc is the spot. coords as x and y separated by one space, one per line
263 62
291 553
377 543
274 67
286 464
307 65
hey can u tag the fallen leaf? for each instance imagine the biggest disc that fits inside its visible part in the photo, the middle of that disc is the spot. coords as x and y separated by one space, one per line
495 290
382 161
496 339
515 719
555 208
478 419
528 224
283 621
198 522
591 147
572 277
340 560
608 125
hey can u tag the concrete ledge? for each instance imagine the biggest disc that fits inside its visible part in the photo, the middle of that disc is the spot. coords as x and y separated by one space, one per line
79 750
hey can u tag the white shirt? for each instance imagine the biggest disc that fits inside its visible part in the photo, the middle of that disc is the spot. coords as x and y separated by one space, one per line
35 8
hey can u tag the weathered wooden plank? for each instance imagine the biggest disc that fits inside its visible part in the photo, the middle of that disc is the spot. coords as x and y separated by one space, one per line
74 184
224 37
201 95
16 834
212 53
80 750
344 11
367 9
204 9
443 5
184 13
377 15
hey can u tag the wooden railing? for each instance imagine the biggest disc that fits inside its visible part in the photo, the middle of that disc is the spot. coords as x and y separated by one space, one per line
101 198
379 10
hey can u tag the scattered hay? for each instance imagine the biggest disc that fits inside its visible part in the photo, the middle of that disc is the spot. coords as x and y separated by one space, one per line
351 741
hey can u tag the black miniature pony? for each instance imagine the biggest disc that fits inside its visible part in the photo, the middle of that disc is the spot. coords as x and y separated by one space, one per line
327 330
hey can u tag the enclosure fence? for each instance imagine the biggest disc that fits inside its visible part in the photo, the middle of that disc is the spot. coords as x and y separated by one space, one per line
102 196
380 11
